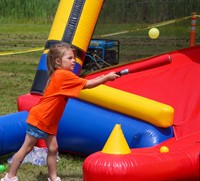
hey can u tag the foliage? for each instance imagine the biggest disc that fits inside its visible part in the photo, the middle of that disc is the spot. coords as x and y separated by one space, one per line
147 11
120 11
26 10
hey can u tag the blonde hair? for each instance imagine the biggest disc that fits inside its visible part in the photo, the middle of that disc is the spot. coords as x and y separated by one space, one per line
57 51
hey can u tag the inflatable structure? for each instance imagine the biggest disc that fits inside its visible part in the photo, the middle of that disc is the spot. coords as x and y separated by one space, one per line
155 106
176 158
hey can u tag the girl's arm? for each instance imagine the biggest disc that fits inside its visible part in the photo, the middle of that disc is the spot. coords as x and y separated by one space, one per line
100 80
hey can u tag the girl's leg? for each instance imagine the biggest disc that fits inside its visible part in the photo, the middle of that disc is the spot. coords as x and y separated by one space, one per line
18 158
52 156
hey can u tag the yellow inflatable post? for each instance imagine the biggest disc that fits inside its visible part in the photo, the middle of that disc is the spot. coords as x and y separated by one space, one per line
74 23
151 111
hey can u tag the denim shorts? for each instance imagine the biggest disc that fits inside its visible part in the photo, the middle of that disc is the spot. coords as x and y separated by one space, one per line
35 132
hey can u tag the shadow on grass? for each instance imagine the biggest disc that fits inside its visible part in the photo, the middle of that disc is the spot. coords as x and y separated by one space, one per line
64 177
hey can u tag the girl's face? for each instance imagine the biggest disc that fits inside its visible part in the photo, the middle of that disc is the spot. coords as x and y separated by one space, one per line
68 60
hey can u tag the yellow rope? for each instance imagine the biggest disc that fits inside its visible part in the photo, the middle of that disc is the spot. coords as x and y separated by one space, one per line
106 35
20 51
147 27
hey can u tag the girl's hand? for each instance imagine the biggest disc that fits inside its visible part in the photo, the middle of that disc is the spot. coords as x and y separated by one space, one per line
100 80
112 76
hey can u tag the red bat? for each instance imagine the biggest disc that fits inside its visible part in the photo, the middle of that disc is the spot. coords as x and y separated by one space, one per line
148 64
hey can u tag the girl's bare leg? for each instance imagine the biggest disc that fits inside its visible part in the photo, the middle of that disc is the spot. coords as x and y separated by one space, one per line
18 158
52 156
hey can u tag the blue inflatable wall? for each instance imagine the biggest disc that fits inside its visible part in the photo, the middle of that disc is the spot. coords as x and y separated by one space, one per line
84 128
12 131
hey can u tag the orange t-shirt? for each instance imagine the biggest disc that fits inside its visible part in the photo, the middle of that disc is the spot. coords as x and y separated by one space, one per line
47 113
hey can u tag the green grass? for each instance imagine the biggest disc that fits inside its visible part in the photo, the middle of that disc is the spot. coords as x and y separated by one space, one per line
26 28
17 73
69 168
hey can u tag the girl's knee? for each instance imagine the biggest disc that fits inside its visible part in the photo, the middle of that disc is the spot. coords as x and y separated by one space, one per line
52 144
53 149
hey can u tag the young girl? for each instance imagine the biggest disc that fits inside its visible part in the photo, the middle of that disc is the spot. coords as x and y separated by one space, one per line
43 118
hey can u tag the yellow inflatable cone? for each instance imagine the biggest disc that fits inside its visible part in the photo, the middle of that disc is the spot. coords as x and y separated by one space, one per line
116 143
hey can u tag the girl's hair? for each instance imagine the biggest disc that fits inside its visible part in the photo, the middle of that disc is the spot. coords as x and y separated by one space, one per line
57 51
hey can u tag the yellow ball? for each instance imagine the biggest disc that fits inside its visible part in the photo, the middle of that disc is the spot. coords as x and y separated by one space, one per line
164 149
154 33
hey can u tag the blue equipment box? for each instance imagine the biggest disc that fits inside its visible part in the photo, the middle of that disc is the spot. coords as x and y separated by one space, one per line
101 53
